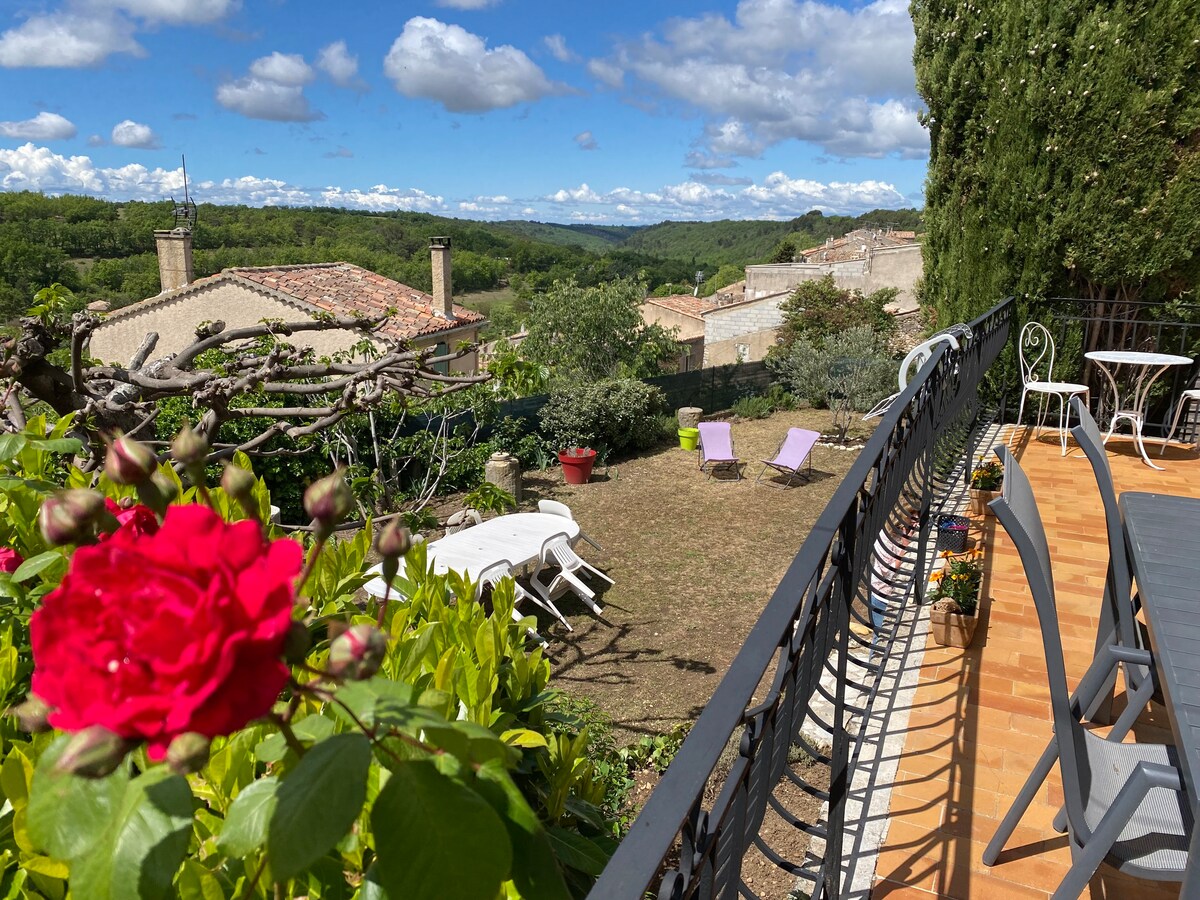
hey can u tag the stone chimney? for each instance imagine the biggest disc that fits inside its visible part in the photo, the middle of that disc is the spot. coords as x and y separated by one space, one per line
174 258
443 288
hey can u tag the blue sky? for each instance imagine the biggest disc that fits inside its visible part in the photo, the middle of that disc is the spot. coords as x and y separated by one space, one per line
599 111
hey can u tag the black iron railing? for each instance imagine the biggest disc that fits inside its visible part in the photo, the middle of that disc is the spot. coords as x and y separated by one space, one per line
1081 325
817 674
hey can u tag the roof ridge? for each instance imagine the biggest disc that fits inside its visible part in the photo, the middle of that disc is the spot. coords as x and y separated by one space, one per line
288 267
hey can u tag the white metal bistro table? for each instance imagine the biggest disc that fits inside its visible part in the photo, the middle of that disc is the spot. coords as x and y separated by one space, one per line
1131 404
517 537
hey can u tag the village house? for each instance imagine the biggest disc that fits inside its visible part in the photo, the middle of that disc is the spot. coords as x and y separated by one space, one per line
247 295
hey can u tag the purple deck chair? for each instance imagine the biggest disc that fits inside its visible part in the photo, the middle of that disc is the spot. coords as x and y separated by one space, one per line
793 452
716 448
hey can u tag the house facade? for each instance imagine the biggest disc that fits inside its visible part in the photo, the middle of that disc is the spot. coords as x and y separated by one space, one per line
245 296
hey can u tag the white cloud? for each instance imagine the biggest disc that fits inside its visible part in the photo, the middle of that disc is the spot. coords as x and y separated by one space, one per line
467 4
586 141
606 72
86 32
785 70
557 45
134 134
172 12
339 64
707 197
383 198
96 140
33 168
451 65
700 159
282 68
45 126
66 40
256 98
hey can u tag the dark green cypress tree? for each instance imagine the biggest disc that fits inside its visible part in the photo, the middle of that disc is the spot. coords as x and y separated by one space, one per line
1065 150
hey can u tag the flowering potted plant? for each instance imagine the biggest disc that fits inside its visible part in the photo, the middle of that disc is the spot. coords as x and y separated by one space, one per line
956 599
577 464
986 480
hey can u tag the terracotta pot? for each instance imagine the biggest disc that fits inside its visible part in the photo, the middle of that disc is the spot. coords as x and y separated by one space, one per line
577 464
951 629
980 500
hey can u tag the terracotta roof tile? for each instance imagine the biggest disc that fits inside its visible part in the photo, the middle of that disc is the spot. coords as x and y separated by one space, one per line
344 290
684 303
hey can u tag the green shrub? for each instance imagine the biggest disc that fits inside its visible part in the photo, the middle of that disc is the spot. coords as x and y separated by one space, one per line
614 414
754 407
854 362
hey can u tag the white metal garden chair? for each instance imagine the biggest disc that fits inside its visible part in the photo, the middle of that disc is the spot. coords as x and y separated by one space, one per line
1189 396
1037 349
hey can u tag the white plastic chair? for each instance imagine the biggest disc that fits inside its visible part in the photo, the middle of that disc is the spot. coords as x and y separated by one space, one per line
497 572
1189 396
916 358
554 508
556 550
464 518
1036 348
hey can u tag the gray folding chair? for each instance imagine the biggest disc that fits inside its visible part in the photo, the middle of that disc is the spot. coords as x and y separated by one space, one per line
1125 803
554 508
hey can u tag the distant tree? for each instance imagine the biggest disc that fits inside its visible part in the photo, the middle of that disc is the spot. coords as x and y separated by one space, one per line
1065 150
785 251
726 275
596 332
820 309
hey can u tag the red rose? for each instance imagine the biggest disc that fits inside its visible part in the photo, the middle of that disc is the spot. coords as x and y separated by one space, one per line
137 519
152 636
10 559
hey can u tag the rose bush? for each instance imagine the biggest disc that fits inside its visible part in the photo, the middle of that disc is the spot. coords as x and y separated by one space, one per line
156 634
132 517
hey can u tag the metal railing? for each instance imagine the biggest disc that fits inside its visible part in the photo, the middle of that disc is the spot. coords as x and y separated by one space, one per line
863 562
1081 325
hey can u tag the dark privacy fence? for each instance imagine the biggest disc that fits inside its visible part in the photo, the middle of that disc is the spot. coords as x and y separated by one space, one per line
815 675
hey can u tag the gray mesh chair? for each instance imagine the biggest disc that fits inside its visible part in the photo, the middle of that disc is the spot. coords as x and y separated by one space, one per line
1124 802
1118 597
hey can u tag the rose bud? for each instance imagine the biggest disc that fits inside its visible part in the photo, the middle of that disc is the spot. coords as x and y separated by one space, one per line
70 517
189 448
33 714
393 542
238 483
328 501
129 462
188 753
297 643
357 653
167 488
93 753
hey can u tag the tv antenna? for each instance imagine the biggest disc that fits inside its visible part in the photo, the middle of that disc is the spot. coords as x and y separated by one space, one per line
185 212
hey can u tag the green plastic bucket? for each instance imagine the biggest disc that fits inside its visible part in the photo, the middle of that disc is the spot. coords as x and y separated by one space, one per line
688 437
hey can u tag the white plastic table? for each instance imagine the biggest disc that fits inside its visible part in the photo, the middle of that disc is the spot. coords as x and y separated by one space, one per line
1146 369
517 537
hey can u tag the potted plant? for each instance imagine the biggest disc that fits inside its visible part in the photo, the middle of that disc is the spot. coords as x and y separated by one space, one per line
956 599
986 480
577 464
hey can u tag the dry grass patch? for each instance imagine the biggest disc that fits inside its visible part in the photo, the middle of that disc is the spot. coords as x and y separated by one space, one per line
695 561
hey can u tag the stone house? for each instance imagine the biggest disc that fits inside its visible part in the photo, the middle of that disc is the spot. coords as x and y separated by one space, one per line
244 296
723 328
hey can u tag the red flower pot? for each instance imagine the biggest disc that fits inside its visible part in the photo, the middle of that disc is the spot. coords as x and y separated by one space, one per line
577 464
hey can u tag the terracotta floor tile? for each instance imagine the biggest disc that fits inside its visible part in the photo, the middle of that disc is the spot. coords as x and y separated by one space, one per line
981 717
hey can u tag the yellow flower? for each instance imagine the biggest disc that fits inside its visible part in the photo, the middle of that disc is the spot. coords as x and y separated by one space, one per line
936 576
946 554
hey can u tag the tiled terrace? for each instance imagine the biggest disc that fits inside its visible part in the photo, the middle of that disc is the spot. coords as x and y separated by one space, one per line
980 717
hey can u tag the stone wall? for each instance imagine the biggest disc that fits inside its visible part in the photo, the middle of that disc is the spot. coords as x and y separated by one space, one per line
898 267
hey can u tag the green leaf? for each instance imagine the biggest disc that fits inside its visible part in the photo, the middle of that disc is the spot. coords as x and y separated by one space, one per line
576 851
523 737
437 838
144 843
67 815
197 883
15 775
245 828
535 870
11 445
317 803
57 445
35 565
